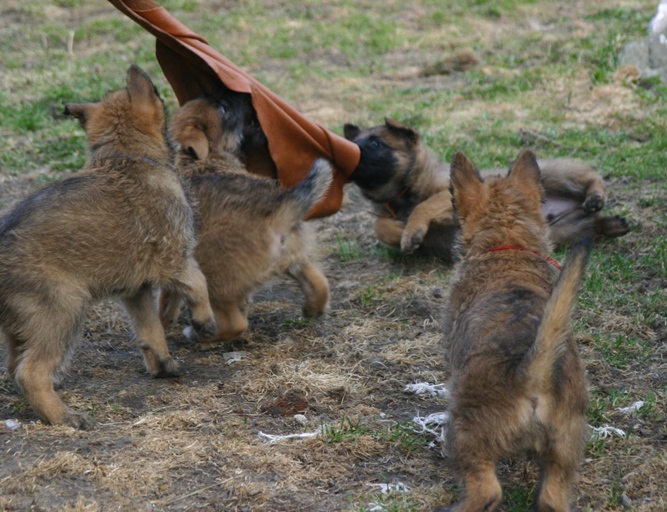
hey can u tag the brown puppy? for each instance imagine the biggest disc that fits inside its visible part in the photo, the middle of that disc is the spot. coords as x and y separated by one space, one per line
249 228
517 382
119 228
409 187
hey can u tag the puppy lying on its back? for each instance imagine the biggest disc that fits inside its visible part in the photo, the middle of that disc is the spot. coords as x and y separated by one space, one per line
120 228
517 381
249 228
409 188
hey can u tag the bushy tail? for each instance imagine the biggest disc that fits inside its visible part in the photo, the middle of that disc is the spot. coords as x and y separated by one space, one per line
295 202
554 330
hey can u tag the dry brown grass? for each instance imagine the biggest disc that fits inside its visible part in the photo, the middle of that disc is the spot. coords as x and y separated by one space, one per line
192 443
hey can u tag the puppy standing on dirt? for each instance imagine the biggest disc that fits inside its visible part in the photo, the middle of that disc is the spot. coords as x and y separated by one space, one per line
119 228
249 228
409 187
517 382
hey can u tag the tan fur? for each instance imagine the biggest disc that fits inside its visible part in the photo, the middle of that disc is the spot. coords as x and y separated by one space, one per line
249 228
411 198
517 381
119 228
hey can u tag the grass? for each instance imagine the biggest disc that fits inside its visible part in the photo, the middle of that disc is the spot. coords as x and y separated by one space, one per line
348 250
396 434
369 295
518 498
545 68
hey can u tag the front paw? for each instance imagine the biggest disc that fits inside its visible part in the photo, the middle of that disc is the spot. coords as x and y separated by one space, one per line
167 368
80 420
593 203
411 239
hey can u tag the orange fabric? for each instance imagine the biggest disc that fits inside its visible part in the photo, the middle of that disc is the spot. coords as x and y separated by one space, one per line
194 68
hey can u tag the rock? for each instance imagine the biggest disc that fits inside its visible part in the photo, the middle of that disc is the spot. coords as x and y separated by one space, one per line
657 51
635 54
626 502
649 56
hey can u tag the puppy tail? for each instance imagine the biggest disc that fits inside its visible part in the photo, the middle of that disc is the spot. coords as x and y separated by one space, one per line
295 202
553 334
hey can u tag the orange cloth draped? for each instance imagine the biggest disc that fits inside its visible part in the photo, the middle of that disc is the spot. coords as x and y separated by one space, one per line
194 68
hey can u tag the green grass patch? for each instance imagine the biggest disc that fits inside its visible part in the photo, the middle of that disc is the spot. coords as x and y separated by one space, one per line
517 498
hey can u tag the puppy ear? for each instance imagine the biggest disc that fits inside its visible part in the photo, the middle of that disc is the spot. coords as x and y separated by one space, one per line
525 168
78 110
194 142
405 131
139 85
465 183
351 131
525 175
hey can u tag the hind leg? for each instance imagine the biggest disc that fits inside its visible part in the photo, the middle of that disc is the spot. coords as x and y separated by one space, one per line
314 286
35 377
232 320
554 492
150 333
567 227
482 490
474 451
35 363
12 354
611 225
560 462
596 194
570 225
192 286
169 305
575 180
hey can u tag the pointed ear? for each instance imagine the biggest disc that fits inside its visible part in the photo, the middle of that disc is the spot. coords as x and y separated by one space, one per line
78 110
194 142
351 131
405 131
139 85
525 168
465 183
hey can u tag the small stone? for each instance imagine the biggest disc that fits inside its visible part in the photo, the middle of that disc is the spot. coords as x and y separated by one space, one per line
301 419
12 424
234 357
626 502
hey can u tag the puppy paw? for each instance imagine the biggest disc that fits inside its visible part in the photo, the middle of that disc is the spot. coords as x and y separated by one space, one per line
593 203
205 330
412 239
80 420
612 226
312 311
167 368
205 345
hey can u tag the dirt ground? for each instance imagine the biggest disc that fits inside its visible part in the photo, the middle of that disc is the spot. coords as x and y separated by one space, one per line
199 433
197 443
